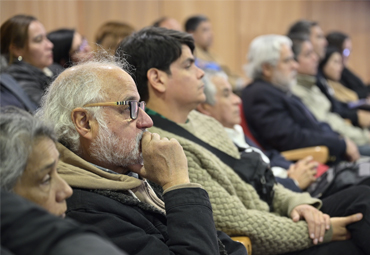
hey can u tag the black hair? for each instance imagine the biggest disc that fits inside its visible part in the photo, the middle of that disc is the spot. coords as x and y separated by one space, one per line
329 52
336 39
152 47
193 22
62 40
297 42
302 27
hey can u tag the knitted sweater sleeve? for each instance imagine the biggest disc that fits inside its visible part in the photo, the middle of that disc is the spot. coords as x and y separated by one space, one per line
237 210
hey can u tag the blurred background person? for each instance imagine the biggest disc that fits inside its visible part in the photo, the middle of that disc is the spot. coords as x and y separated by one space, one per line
331 68
69 47
200 28
343 43
111 33
28 52
167 22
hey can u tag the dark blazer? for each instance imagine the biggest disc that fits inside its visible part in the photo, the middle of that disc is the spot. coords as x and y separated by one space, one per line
353 82
281 121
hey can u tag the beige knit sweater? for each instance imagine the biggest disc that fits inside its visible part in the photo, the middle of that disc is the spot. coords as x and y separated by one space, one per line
237 209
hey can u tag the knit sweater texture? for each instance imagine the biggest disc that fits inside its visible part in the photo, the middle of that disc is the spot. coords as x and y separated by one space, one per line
237 208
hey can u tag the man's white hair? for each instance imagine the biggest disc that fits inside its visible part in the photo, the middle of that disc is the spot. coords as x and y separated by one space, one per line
210 89
75 89
264 49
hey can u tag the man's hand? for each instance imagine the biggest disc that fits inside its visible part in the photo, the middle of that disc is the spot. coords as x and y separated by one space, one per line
352 150
317 221
363 118
339 224
303 172
165 162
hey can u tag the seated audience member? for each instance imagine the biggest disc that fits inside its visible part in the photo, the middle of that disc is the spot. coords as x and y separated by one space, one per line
223 105
201 29
278 119
69 47
331 67
313 31
28 168
106 156
111 33
29 53
169 23
316 101
171 84
343 43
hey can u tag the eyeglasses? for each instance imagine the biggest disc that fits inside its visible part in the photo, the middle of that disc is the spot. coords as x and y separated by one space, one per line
133 106
81 47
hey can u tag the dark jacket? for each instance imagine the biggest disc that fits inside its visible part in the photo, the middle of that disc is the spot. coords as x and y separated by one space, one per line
336 106
106 201
280 121
353 82
28 229
33 80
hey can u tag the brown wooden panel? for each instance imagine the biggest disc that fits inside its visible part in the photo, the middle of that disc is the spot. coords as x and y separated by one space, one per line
352 18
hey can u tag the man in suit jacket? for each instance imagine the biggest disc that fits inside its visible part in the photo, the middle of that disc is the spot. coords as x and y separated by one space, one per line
277 118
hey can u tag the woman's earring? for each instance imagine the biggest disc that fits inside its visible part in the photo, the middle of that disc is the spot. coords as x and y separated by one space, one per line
20 58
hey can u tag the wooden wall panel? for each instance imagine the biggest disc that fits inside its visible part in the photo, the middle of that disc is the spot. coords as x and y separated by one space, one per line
235 22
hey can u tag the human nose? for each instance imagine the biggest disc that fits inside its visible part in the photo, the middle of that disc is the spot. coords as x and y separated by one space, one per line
143 120
236 99
64 190
294 65
200 73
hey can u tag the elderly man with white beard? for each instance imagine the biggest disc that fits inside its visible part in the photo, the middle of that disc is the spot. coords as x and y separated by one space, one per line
106 155
278 119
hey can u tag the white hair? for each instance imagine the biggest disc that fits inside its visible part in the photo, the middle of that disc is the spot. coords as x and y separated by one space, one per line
264 49
78 87
210 89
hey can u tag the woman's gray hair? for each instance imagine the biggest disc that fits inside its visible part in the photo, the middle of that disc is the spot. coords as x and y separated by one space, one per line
264 49
19 131
78 88
210 89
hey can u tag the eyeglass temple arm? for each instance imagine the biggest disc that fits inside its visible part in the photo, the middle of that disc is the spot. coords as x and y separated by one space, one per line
104 104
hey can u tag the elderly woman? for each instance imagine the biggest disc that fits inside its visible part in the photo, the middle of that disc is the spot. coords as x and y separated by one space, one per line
28 52
29 161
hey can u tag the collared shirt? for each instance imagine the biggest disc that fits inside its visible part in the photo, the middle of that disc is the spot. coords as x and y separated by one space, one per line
132 174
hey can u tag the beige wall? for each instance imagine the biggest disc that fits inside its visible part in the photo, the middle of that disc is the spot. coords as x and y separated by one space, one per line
235 23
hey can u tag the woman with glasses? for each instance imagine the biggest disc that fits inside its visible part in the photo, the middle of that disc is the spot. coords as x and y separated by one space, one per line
343 43
69 47
28 52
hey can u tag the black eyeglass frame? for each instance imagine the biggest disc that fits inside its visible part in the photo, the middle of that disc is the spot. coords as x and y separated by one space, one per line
132 104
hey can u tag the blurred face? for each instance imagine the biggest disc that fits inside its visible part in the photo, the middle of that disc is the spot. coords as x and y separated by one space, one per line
80 48
171 23
347 49
333 68
318 41
184 84
226 107
284 73
117 147
38 51
307 60
203 35
40 182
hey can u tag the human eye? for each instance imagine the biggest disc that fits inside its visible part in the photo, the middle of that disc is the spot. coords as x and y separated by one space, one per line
46 180
38 39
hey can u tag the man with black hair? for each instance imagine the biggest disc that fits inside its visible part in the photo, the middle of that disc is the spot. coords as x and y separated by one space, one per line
200 28
171 84
313 31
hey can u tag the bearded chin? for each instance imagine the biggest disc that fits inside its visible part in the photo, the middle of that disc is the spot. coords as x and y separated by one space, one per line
113 150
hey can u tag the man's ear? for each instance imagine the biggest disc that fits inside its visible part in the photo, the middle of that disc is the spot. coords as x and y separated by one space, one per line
82 121
204 108
267 70
157 79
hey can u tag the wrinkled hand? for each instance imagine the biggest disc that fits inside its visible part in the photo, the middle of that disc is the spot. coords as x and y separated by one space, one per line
339 224
303 172
317 221
352 150
165 162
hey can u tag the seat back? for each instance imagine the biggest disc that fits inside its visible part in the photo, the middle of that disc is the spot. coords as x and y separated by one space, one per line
244 124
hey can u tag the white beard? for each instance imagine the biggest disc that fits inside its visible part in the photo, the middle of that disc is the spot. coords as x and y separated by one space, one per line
113 150
283 83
